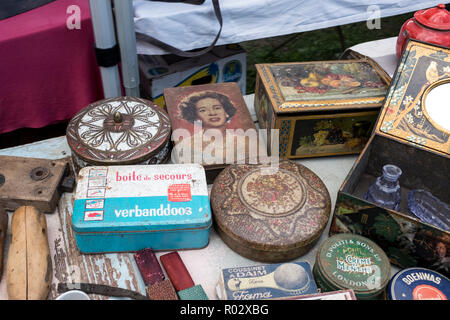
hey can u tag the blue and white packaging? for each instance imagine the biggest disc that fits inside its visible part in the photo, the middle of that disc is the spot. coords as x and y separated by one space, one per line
418 284
128 208
266 282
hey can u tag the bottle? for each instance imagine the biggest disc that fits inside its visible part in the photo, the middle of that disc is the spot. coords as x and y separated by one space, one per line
385 191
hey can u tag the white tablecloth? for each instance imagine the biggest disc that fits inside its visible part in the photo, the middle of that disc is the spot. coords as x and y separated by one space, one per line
187 26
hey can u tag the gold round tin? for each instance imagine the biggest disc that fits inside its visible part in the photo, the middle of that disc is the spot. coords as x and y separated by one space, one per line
119 131
270 216
349 261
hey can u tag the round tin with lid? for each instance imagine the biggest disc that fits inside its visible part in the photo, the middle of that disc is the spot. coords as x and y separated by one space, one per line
270 215
119 131
349 261
418 284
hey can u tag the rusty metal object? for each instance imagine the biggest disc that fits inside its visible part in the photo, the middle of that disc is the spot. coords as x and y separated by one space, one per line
31 182
105 290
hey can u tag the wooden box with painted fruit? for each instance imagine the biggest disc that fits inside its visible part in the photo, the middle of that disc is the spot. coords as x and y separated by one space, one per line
320 108
408 218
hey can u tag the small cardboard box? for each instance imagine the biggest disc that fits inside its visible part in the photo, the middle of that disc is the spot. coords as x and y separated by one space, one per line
321 108
412 132
225 63
129 208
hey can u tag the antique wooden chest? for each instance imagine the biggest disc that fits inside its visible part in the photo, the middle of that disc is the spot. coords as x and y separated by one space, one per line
412 133
211 125
320 108
119 131
129 208
270 216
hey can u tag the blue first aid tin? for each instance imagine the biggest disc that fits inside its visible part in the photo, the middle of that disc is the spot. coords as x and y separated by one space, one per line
418 284
128 208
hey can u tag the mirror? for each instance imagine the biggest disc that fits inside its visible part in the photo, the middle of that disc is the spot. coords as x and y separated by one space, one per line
436 105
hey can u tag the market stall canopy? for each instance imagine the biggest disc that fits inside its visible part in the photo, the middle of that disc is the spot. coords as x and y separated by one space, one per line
187 26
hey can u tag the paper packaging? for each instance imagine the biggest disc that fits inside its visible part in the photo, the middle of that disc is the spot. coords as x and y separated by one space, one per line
128 208
222 64
262 282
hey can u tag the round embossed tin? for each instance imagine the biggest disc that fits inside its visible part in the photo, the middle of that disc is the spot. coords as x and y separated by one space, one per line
349 261
119 131
270 216
418 284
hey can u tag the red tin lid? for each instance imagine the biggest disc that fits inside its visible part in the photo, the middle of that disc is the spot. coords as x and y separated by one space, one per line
437 17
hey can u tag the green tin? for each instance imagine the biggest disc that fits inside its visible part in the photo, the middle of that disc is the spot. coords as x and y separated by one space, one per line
348 261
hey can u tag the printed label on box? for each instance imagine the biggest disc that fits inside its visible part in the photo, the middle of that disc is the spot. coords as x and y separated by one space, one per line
179 193
96 193
93 215
95 204
97 182
97 173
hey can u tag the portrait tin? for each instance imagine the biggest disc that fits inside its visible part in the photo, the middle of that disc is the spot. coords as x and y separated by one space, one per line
418 284
129 208
322 108
347 261
199 112
406 135
119 131
269 216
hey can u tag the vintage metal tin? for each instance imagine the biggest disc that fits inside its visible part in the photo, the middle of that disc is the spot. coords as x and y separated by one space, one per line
412 133
270 216
321 108
119 131
211 125
418 284
348 261
129 208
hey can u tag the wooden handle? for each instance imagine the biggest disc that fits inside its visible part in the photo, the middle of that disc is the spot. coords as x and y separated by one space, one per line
3 230
29 265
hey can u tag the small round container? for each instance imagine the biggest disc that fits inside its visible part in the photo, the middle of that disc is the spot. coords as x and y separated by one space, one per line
418 284
73 295
270 216
119 131
349 261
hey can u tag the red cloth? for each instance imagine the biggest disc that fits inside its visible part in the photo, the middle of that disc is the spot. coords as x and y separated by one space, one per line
47 71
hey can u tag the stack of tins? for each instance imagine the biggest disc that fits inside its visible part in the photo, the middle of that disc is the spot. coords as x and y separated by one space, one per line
270 214
348 261
119 131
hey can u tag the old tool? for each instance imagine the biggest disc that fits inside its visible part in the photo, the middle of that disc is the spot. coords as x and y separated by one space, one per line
29 265
101 289
33 182
3 229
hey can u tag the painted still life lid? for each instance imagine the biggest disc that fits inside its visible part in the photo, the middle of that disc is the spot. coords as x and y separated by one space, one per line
121 130
271 216
418 284
324 85
416 109
350 261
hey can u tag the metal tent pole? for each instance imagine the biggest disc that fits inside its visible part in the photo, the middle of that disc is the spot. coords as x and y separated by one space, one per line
123 10
102 21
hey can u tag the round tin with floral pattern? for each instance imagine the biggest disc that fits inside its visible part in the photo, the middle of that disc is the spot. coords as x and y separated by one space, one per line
349 261
270 214
119 131
418 284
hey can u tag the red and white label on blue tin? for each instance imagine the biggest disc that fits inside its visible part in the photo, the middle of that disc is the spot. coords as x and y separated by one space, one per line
419 284
141 197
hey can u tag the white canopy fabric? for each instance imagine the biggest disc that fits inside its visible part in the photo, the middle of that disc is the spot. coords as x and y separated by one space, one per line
188 27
